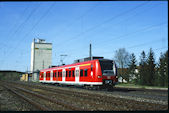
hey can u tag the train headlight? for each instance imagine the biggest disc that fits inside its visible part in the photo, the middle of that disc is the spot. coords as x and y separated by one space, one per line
99 76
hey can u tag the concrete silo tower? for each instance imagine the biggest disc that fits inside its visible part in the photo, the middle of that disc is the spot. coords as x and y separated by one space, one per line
41 57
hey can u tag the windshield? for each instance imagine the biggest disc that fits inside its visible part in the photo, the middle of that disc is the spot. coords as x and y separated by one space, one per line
108 72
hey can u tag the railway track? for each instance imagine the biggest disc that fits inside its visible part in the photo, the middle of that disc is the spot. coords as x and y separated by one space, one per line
37 105
16 90
93 101
123 91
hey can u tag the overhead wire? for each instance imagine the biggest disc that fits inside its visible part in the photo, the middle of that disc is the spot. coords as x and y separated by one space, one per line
106 21
21 25
24 22
131 33
141 30
33 27
129 18
78 18
26 35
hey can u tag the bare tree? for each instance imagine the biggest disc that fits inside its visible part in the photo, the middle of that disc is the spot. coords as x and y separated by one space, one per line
122 59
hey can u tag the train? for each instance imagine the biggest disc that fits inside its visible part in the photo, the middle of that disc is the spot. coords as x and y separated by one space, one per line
93 73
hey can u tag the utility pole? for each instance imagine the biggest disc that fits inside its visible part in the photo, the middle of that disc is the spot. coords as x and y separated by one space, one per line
43 64
61 59
33 59
90 52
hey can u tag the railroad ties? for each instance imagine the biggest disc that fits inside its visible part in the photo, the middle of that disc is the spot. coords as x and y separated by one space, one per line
75 99
38 105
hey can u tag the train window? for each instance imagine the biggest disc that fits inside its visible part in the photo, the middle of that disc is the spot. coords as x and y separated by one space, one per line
48 75
55 74
85 72
66 73
41 75
60 74
73 73
69 73
81 72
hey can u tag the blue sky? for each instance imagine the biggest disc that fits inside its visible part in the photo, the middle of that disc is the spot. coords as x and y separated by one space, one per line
72 26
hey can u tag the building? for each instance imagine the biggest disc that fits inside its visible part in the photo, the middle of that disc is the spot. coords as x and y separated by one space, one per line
41 57
131 77
10 75
26 77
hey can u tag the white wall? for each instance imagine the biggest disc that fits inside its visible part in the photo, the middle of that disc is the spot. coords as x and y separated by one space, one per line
41 57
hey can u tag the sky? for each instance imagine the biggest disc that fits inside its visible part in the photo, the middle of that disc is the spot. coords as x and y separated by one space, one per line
72 26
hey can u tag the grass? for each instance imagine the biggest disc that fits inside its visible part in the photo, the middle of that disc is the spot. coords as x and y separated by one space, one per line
129 85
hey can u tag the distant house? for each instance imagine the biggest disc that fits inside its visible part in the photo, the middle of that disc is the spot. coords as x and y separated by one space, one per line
119 71
26 77
132 77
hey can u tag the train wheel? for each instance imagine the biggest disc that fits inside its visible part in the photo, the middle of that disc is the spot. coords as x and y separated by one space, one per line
110 88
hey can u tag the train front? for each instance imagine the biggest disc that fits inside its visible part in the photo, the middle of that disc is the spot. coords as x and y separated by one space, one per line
109 73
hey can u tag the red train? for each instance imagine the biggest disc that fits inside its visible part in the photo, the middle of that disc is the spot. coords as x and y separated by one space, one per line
98 72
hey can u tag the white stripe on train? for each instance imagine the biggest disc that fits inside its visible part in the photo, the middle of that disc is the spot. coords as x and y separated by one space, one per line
73 83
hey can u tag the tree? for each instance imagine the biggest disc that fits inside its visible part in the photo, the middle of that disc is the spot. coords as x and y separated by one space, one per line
166 69
142 69
122 58
150 79
162 72
132 68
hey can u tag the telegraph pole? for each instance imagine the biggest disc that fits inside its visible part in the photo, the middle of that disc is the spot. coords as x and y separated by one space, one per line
61 59
90 52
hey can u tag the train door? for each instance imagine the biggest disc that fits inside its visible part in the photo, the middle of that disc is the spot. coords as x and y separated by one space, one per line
77 74
41 75
48 75
54 75
63 75
44 76
51 76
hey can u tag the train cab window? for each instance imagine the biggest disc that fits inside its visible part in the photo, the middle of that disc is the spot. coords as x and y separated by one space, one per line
91 67
81 72
69 73
85 73
73 73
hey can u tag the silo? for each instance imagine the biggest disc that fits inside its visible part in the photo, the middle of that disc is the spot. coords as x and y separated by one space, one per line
41 57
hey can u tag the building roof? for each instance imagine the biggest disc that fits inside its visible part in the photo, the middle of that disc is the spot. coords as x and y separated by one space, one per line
11 71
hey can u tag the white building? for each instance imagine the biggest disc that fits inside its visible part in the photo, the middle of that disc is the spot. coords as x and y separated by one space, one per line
41 57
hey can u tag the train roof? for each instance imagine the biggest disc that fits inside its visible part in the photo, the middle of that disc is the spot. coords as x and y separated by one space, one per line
78 63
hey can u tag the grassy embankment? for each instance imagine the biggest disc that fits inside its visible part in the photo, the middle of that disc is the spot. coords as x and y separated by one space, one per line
128 85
